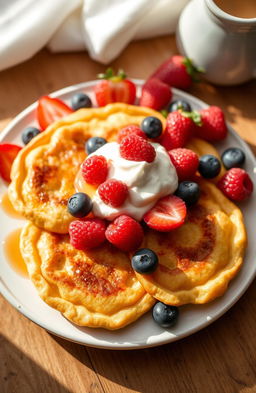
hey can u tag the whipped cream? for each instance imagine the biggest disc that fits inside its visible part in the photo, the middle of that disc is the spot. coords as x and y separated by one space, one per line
147 182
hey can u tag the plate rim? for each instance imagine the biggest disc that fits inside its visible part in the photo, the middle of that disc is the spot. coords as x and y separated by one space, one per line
6 292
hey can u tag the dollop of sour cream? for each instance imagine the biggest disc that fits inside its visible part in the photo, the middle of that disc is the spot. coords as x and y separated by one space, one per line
146 182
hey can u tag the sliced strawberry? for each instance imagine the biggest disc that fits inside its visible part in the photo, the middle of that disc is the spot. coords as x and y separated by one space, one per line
169 213
114 88
51 109
8 152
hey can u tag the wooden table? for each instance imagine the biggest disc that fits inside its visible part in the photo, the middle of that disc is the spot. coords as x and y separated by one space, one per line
218 359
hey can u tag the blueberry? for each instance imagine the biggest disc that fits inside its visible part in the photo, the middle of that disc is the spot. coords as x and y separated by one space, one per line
209 166
152 126
144 261
94 144
166 316
79 205
189 192
233 158
80 100
29 133
179 104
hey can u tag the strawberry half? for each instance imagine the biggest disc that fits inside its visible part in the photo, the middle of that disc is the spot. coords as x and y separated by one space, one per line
8 152
51 109
114 88
169 213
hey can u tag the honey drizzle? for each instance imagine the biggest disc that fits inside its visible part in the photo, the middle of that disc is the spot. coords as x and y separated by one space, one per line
11 247
7 207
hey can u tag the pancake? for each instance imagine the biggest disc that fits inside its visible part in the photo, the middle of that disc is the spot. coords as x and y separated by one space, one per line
43 173
197 260
96 289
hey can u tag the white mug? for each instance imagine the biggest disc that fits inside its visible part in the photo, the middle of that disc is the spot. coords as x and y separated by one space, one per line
222 44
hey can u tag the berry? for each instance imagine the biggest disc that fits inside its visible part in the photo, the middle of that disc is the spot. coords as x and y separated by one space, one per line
114 88
80 100
130 130
155 94
213 127
8 152
87 233
79 205
94 144
51 109
95 170
179 105
135 148
113 192
28 134
233 158
177 71
178 130
185 161
125 233
236 184
145 261
169 213
152 126
189 192
164 315
209 166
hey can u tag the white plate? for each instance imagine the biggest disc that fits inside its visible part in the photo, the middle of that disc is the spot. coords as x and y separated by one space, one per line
143 333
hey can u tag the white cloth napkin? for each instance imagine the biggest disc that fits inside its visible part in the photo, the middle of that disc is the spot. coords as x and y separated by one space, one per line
103 27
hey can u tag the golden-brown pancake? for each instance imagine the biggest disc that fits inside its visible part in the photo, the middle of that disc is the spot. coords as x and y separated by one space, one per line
96 289
197 260
43 173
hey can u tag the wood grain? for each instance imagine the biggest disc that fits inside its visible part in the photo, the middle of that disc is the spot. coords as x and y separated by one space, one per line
219 359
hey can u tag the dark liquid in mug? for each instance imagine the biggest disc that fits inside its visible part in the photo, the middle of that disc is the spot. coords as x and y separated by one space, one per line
239 8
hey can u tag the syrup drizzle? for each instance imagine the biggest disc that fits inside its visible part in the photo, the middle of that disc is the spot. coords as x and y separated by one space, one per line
12 251
7 207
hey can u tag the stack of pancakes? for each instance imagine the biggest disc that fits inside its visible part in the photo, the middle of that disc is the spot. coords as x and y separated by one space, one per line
98 288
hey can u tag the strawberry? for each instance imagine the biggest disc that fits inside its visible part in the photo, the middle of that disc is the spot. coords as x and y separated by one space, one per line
114 88
179 128
213 126
8 152
169 213
177 71
185 161
155 94
51 109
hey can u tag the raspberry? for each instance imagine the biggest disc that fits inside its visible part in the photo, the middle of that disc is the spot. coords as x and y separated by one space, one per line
95 170
113 192
130 130
179 129
135 148
125 233
87 233
185 162
236 184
